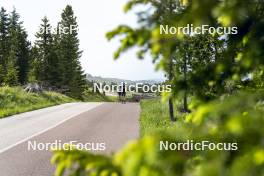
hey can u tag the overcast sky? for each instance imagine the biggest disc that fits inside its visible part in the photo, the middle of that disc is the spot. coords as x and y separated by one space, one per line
95 18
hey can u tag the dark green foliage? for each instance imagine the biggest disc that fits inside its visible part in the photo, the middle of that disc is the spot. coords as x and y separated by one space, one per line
19 47
23 56
14 49
56 56
53 61
4 23
11 76
69 54
46 60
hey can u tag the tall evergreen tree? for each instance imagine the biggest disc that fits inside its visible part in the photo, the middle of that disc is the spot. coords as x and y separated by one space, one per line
19 47
69 55
23 55
4 22
46 54
57 50
11 77
34 65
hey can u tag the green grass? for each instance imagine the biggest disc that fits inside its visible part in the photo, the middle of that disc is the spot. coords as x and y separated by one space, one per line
154 117
89 96
15 100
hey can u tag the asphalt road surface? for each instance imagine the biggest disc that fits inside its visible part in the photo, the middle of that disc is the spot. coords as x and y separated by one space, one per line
112 124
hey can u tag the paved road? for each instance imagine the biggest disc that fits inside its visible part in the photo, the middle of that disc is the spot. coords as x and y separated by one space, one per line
110 123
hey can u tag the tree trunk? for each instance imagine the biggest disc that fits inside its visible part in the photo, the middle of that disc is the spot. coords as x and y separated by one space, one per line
185 103
171 110
170 71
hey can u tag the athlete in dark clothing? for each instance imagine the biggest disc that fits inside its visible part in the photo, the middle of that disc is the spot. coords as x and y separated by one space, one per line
123 93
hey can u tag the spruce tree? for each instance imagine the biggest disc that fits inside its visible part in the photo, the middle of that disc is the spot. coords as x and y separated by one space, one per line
4 22
19 47
11 77
23 55
35 65
46 54
73 77
57 52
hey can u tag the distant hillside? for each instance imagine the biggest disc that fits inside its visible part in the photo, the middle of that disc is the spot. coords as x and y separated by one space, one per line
100 79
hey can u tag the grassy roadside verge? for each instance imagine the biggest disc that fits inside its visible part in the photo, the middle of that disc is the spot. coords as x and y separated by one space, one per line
154 117
97 97
15 100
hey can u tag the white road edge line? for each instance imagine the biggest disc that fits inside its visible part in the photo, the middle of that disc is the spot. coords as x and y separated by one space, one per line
47 129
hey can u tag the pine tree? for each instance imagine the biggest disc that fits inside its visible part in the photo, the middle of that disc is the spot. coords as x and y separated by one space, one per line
4 22
19 47
2 75
11 77
34 65
23 55
46 55
57 50
69 55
